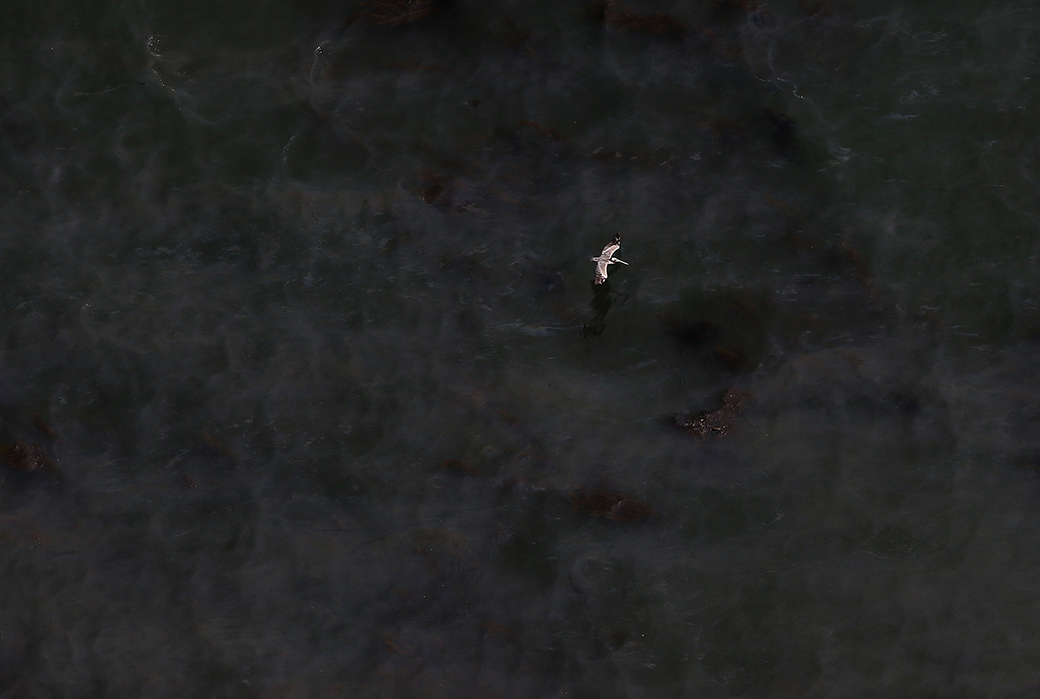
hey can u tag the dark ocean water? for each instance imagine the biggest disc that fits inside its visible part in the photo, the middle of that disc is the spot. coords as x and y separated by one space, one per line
305 390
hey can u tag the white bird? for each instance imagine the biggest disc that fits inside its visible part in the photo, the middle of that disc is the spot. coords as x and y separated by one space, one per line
607 258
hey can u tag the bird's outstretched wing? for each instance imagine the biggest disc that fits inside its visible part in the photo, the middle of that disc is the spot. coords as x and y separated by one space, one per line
601 269
609 251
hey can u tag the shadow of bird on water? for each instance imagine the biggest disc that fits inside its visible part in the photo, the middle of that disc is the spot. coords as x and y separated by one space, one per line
603 298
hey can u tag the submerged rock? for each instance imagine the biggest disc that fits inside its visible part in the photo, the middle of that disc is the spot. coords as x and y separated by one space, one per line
715 423
610 505
27 457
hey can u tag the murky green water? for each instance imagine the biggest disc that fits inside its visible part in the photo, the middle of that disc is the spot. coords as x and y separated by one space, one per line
305 390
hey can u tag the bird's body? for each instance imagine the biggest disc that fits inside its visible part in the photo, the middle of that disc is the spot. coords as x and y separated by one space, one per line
607 258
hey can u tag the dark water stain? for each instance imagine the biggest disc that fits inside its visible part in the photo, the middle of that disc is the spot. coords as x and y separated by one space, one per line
616 14
396 13
726 328
528 547
605 503
783 132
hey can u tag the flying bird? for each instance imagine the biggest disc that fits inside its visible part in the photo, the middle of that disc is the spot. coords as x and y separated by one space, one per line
607 258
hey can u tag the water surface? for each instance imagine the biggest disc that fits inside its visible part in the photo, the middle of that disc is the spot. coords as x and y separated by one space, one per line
297 321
